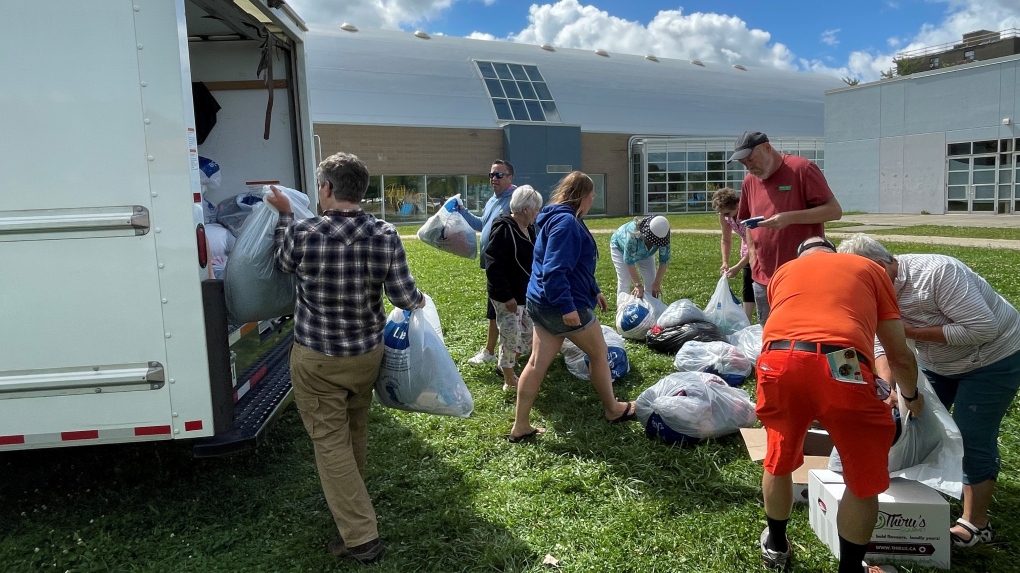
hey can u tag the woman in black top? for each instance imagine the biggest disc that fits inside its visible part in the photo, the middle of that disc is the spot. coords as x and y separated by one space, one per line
508 258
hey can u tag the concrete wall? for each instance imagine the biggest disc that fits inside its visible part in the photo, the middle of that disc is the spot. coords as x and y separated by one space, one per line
885 142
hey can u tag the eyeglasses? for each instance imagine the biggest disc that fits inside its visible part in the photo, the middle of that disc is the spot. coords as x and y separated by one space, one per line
497 175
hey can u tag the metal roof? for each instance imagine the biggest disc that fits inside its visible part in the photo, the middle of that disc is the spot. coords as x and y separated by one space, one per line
384 77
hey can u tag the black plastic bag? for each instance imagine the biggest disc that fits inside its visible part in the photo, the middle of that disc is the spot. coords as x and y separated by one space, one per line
669 340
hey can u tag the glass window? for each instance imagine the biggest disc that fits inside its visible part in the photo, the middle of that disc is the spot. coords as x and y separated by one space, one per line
959 177
957 192
486 69
518 72
984 163
502 109
959 149
495 89
1005 191
477 193
404 196
440 188
959 164
542 90
520 112
518 82
1005 145
656 158
535 110
1005 176
511 89
674 176
717 156
986 146
549 108
983 177
503 72
677 156
372 203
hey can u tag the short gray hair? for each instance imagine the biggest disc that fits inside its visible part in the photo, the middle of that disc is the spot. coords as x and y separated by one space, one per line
347 176
525 197
865 246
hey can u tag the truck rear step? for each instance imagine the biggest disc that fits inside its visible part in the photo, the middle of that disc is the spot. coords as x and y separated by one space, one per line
267 396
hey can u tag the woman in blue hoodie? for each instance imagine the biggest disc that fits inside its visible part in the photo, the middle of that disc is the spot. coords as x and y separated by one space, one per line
562 295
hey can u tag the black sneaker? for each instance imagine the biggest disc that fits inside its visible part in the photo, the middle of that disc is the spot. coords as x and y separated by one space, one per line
775 559
365 553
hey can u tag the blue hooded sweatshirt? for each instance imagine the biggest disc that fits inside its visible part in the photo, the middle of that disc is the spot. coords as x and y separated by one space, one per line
563 272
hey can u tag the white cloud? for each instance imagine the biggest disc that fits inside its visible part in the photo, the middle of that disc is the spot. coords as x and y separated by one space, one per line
962 16
829 37
672 34
390 14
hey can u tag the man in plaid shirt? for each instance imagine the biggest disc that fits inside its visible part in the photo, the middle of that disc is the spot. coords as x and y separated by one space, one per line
343 260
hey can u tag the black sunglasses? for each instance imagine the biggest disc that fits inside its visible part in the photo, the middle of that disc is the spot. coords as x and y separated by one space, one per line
808 244
497 175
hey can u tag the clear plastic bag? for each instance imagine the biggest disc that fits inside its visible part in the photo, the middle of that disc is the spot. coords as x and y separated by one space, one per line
929 448
448 231
255 289
232 212
636 316
748 340
724 309
577 361
680 312
720 358
686 406
418 374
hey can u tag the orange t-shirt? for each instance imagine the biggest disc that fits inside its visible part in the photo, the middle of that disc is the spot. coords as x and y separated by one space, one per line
834 298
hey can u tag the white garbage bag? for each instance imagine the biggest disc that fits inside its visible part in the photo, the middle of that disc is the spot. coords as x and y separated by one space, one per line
448 231
680 312
720 358
577 360
418 374
724 309
929 448
748 340
254 287
686 406
636 316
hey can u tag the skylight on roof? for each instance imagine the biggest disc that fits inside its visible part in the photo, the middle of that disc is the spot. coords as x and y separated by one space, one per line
518 92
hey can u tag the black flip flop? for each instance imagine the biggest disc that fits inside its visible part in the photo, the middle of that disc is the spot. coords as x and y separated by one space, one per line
518 439
629 414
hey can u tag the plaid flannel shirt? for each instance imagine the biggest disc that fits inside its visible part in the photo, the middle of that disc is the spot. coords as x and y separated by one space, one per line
343 261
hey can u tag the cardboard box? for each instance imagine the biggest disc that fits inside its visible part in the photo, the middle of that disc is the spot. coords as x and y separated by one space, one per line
913 521
817 447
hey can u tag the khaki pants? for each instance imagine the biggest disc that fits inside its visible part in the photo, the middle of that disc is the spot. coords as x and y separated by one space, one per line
333 395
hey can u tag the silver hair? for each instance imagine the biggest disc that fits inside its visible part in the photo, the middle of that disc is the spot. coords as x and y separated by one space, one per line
865 246
525 197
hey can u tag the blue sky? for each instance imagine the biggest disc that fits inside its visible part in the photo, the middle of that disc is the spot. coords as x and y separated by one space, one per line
839 38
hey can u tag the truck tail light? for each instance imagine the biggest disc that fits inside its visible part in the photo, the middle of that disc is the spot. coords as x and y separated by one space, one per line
203 247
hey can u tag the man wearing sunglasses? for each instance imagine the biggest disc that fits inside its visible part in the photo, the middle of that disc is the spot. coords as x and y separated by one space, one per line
501 176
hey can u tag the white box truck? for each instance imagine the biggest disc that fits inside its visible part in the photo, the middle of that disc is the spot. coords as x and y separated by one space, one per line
113 329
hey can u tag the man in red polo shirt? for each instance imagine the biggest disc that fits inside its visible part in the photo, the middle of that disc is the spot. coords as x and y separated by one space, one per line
816 364
791 194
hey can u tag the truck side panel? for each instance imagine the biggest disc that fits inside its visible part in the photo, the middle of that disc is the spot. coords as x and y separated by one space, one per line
103 122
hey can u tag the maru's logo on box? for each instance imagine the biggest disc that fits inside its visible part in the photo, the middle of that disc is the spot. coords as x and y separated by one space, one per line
899 521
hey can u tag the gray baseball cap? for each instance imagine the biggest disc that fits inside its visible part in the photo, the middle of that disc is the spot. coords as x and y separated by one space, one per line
746 144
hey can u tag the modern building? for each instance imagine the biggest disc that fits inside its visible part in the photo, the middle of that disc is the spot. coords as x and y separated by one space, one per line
975 46
428 114
941 141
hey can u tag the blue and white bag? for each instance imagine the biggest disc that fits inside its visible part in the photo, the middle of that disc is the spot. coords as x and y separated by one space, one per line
636 316
720 358
578 363
418 373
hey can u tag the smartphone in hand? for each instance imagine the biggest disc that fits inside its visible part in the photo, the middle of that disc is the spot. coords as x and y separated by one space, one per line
752 222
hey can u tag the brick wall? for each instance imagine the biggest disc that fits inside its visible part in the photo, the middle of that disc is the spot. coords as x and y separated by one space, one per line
391 150
607 153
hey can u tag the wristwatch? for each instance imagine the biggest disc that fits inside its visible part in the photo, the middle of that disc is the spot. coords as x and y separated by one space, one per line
912 398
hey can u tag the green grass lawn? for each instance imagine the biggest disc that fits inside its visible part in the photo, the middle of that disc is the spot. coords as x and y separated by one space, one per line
1012 234
451 494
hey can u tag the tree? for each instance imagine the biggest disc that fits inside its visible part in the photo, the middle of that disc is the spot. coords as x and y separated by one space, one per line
851 81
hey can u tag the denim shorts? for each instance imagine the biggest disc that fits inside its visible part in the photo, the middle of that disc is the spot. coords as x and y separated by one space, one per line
550 318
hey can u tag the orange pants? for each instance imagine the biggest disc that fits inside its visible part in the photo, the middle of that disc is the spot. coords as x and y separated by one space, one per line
794 389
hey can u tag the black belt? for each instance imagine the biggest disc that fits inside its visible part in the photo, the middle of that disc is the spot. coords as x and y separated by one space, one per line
815 347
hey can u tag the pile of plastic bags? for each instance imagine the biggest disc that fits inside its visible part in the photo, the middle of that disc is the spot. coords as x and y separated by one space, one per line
685 407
